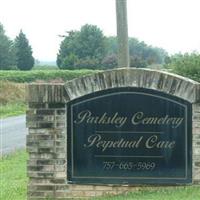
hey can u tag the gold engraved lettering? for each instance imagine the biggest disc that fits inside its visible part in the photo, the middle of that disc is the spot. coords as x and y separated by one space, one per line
140 118
153 142
96 141
87 117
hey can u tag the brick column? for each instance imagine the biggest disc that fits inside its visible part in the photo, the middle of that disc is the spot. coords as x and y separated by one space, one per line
46 141
196 143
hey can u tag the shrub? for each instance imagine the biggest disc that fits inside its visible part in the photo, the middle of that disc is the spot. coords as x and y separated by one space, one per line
87 63
185 64
69 62
110 61
45 75
137 62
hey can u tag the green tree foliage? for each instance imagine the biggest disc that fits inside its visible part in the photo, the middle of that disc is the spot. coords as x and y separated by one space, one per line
24 58
141 54
185 64
91 42
7 56
138 62
89 48
87 63
82 49
70 60
68 48
111 45
151 55
110 61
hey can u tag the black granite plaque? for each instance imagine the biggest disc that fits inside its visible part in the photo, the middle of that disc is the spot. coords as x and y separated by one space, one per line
129 136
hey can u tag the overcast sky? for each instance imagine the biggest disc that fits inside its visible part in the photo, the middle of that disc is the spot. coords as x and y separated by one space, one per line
171 24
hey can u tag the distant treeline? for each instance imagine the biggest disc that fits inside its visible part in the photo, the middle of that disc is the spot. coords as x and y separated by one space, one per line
90 48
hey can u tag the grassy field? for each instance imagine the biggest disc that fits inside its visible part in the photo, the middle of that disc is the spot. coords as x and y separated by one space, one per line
44 75
12 86
12 99
12 109
13 180
13 184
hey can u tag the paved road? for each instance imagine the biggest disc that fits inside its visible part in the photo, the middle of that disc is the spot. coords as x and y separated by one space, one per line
12 134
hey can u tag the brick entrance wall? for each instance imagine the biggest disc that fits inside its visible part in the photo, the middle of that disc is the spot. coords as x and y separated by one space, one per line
46 120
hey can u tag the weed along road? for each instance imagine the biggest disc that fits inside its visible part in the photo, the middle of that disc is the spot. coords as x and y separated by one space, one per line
13 134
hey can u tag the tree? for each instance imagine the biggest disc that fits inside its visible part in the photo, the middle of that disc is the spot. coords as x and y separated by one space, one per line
86 46
141 54
70 61
24 58
150 55
137 62
110 61
91 42
111 45
7 56
87 62
68 48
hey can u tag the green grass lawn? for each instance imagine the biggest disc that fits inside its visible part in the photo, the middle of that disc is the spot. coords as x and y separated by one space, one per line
12 99
159 193
13 184
12 109
13 179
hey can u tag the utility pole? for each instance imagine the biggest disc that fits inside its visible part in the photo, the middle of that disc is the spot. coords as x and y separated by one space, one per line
122 33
